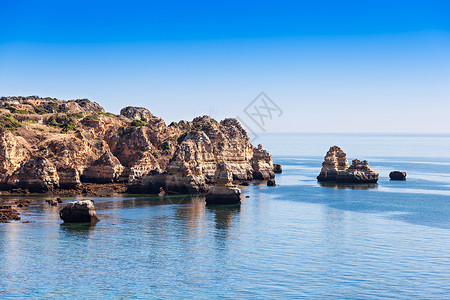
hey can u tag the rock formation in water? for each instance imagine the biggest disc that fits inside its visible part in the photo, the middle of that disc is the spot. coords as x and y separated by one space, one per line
335 168
48 145
8 212
397 175
223 192
79 212
277 169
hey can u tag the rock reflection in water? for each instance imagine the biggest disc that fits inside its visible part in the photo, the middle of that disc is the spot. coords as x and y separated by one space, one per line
77 227
223 215
353 186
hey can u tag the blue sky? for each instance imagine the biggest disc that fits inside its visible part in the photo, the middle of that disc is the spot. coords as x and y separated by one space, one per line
331 66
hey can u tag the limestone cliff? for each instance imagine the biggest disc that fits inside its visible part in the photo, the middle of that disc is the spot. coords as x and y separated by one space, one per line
48 145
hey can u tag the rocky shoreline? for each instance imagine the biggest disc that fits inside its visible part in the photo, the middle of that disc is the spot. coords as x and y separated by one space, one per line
74 147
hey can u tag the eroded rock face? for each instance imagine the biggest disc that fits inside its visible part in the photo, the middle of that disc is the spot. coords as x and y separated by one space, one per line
80 143
224 192
139 113
335 168
36 175
194 164
69 178
262 164
397 175
13 152
79 212
106 169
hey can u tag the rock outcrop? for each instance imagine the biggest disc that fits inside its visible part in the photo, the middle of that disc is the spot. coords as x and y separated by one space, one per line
48 145
36 175
194 163
277 169
224 192
397 175
139 113
335 168
106 169
271 182
79 212
7 213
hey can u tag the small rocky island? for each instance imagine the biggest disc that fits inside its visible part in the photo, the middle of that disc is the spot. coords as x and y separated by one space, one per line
336 168
75 147
79 212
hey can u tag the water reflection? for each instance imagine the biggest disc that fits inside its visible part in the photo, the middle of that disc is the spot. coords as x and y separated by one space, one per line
223 215
353 186
76 230
77 227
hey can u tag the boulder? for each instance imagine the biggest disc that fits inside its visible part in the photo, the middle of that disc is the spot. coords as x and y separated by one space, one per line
224 192
79 212
277 169
397 175
335 168
271 182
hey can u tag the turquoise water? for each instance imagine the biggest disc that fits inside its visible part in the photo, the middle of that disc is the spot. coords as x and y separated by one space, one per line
296 240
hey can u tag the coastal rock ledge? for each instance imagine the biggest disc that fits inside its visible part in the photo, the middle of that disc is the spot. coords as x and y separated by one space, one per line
79 212
336 168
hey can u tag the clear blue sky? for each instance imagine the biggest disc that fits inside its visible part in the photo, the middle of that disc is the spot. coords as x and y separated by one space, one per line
331 66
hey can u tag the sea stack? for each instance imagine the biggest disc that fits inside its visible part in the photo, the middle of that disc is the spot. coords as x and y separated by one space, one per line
335 168
224 192
79 212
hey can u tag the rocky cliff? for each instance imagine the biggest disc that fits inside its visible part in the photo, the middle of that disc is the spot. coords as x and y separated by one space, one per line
49 145
336 168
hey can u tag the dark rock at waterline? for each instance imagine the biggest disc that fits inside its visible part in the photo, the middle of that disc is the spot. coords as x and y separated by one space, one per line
271 182
59 200
335 168
397 175
79 212
52 202
277 169
7 213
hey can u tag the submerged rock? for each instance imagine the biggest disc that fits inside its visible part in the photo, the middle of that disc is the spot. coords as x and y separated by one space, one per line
397 175
335 168
79 212
224 192
277 169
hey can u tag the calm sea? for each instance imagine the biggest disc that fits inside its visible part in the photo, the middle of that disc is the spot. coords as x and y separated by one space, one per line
296 240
